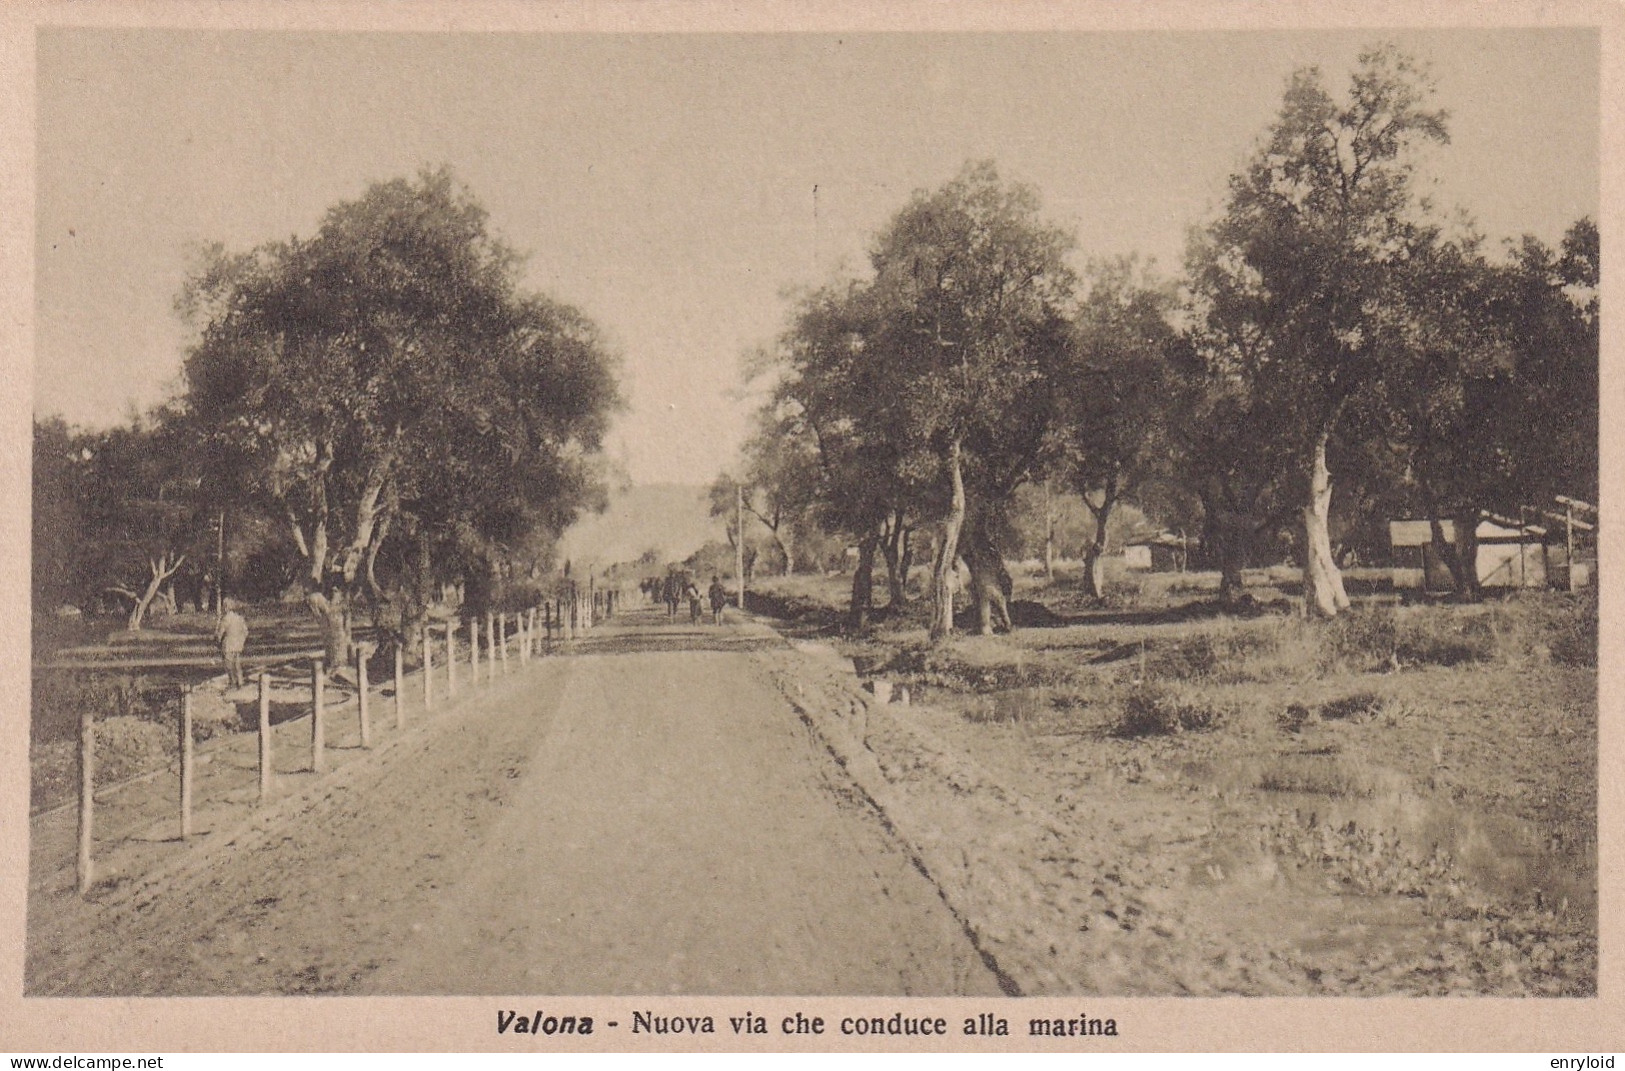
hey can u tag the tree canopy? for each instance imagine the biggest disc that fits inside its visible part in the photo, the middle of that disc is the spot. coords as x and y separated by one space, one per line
1332 331
386 380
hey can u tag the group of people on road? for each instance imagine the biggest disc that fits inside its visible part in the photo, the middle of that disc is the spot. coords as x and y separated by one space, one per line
231 633
677 588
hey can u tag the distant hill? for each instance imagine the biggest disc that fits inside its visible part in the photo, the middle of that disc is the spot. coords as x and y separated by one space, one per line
673 518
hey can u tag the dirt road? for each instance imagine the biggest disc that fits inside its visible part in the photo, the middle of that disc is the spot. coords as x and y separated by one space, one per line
646 814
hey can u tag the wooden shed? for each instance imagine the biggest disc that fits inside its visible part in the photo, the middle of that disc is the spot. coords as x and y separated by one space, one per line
1163 552
1509 555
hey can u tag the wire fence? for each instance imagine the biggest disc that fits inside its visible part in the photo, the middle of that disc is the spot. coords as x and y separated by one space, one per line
104 723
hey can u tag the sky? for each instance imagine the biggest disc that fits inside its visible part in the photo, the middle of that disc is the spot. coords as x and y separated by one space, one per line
678 187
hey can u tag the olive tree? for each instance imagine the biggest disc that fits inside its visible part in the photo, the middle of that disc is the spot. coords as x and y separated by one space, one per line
1297 274
387 377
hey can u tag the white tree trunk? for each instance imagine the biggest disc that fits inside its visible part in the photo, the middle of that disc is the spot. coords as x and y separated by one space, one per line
367 517
1094 571
942 613
162 569
1323 594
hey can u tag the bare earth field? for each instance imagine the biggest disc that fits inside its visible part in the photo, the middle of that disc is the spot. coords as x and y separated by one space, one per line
1317 826
1120 805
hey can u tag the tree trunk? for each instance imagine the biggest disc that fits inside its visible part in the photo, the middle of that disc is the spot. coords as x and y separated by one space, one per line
863 584
162 570
889 550
1094 553
138 613
333 613
905 565
990 583
415 598
374 592
1094 570
1323 594
899 559
1467 555
1443 548
318 555
370 512
942 591
1223 537
788 547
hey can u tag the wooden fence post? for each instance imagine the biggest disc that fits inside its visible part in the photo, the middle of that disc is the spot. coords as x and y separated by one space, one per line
361 653
265 736
490 646
87 791
524 637
451 658
186 761
428 671
318 699
474 650
502 641
400 684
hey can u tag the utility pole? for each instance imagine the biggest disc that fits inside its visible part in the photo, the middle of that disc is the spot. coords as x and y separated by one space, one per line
1049 534
220 568
739 541
817 266
1568 534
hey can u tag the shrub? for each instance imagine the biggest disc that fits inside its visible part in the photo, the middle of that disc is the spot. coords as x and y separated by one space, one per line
1294 717
1548 627
1358 705
1123 593
1573 631
1229 653
1150 710
1016 705
214 715
1445 637
1364 638
1196 658
1315 775
127 746
58 697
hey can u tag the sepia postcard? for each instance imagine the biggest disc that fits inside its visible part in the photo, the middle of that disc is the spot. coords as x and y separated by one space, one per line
939 527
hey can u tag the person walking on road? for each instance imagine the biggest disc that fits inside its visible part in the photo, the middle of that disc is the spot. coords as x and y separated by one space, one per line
232 635
692 591
719 598
673 593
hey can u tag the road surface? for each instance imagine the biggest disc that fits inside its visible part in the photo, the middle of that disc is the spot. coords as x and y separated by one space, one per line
644 815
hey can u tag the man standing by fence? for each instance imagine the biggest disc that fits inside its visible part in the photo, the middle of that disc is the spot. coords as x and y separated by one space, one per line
232 635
